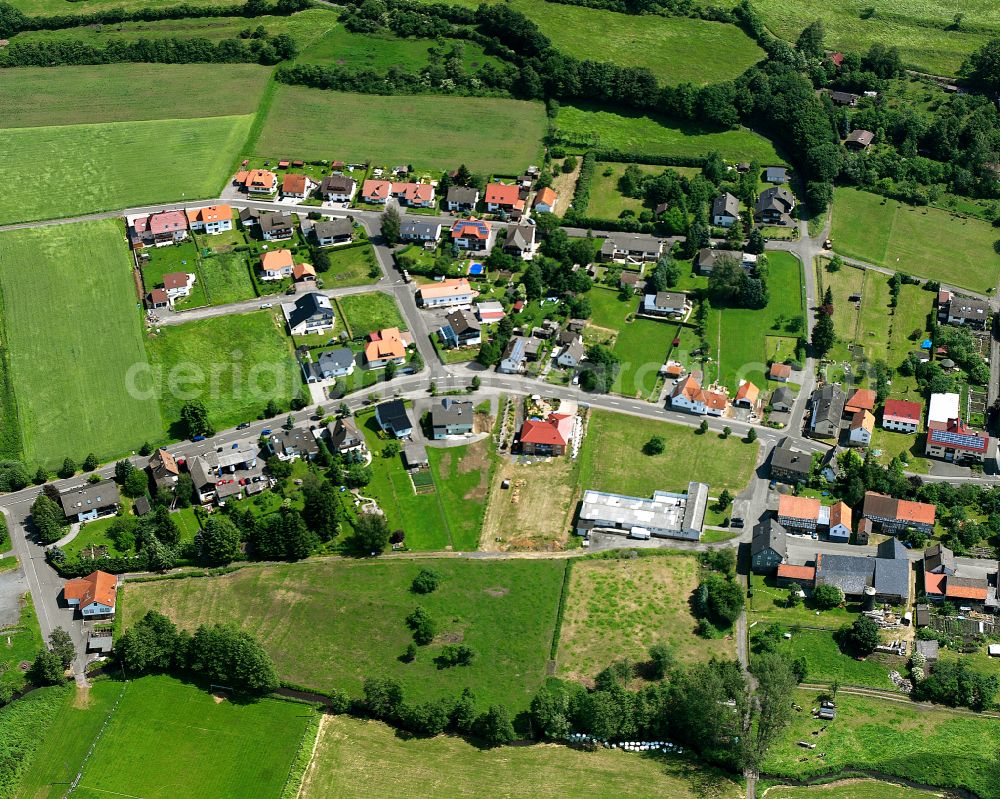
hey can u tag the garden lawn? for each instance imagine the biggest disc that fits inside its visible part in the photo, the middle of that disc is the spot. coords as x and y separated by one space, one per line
350 267
331 623
420 516
234 364
167 738
926 242
182 257
360 51
769 604
371 311
226 278
70 364
487 134
675 49
934 746
631 131
357 759
850 789
19 644
71 95
76 169
606 201
615 439
619 608
827 664
738 336
923 31
462 475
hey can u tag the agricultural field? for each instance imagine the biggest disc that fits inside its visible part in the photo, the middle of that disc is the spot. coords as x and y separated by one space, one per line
630 131
89 341
357 759
234 364
166 738
359 51
370 311
304 27
926 242
850 789
675 49
933 746
738 336
331 623
924 32
619 608
78 169
356 127
614 439
40 96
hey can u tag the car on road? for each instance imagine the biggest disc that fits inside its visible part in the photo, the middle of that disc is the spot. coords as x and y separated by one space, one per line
265 305
266 431
242 425
197 438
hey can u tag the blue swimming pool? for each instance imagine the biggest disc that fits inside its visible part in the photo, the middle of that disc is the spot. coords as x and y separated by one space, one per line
476 269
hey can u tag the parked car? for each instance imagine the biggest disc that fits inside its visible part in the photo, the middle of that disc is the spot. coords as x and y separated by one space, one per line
265 305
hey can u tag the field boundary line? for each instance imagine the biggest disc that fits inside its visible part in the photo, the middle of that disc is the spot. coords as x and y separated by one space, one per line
93 744
560 611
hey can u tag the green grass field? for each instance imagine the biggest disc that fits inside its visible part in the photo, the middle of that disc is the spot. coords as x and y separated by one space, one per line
615 439
76 169
331 623
606 201
935 747
922 31
769 604
225 278
462 476
674 49
234 364
70 365
925 242
850 789
738 336
181 257
351 267
38 96
370 311
313 123
594 127
827 664
357 759
359 51
47 7
19 644
166 739
22 725
620 608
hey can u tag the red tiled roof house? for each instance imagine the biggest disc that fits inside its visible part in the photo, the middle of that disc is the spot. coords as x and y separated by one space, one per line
547 437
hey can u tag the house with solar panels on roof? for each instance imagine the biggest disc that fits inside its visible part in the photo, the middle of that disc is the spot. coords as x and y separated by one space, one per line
956 442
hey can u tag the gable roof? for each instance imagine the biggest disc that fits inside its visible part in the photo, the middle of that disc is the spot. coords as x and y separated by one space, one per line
167 222
164 461
95 587
958 435
938 556
276 260
780 370
259 177
726 204
333 228
791 460
376 189
747 391
521 236
308 306
863 420
464 195
555 430
806 574
966 588
451 411
91 496
462 321
886 507
337 184
862 137
828 404
211 213
769 534
393 414
546 196
502 194
175 280
275 221
799 507
689 388
454 287
901 410
299 271
775 198
840 513
863 399
294 184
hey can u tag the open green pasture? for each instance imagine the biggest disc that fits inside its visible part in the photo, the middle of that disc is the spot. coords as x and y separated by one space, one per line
331 623
926 242
923 31
370 311
462 476
487 134
935 746
49 7
630 131
234 364
164 739
827 664
357 759
614 439
850 789
76 169
350 267
70 365
39 96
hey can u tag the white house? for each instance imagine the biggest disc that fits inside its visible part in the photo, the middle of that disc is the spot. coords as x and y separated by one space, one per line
211 220
276 265
178 284
310 313
725 210
455 291
688 395
943 408
94 594
840 522
90 501
665 303
572 354
337 188
862 426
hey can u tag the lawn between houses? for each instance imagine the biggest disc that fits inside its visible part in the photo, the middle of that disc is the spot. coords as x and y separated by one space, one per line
80 169
611 458
430 132
356 759
69 364
234 364
330 623
926 242
164 739
619 608
934 746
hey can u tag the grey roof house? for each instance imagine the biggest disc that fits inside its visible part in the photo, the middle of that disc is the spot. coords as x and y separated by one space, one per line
87 502
768 547
333 231
664 303
276 226
393 418
827 409
725 210
338 362
462 198
773 205
451 417
310 313
346 439
419 231
290 445
888 573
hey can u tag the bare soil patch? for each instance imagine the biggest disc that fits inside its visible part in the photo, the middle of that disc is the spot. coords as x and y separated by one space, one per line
499 591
